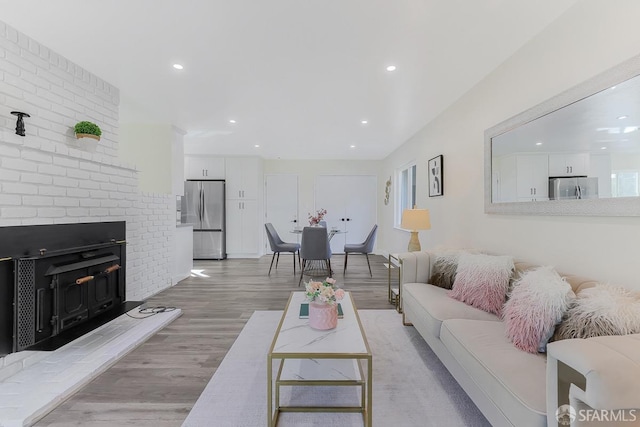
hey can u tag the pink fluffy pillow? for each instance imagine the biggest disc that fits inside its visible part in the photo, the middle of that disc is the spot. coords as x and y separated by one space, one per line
482 281
537 303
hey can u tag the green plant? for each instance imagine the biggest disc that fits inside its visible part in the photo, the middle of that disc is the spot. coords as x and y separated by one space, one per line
87 127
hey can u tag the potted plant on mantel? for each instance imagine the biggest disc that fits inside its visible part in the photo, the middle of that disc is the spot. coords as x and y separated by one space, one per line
87 130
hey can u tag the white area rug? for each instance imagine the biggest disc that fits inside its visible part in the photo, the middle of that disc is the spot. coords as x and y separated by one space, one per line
410 386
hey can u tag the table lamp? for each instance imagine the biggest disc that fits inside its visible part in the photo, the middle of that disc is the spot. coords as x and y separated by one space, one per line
414 220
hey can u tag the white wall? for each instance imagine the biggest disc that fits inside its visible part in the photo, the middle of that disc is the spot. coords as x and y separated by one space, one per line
308 170
588 39
148 147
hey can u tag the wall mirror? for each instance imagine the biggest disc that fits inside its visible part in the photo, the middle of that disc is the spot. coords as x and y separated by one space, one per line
575 154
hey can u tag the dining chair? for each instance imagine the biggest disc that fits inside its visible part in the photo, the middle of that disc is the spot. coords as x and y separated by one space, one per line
322 224
315 252
277 246
365 248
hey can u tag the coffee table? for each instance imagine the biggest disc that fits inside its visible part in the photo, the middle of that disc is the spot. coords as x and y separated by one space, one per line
307 357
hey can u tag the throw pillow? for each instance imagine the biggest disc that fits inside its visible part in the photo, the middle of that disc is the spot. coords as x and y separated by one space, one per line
539 299
482 281
443 271
601 310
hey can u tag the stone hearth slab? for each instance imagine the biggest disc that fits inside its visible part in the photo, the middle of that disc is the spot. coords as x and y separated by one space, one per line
36 390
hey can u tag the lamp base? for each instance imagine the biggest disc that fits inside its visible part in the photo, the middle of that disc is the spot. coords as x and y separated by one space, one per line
414 243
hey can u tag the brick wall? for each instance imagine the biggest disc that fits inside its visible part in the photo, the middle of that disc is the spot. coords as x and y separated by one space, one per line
49 176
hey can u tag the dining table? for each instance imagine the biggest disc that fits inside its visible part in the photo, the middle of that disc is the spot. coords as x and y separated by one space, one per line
330 232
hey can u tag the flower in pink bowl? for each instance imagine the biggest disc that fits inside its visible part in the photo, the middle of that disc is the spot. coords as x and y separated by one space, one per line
324 292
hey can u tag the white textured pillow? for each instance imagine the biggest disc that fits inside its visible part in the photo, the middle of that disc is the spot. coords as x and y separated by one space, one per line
482 281
602 310
539 299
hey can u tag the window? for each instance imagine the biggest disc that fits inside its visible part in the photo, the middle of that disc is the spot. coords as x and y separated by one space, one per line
624 184
406 191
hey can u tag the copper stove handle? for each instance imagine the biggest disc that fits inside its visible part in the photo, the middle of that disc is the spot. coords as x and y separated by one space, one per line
111 269
84 279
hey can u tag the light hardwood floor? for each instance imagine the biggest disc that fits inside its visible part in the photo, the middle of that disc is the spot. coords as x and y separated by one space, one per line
158 383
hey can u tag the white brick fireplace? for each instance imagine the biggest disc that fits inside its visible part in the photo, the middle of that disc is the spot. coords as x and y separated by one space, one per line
48 176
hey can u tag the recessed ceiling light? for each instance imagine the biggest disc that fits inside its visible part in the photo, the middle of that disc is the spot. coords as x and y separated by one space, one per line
352 146
364 122
178 66
613 87
233 122
538 143
603 148
257 145
622 117
630 129
391 68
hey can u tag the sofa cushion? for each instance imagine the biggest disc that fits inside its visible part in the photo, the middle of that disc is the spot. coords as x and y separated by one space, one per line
538 300
443 270
436 306
482 281
515 380
601 310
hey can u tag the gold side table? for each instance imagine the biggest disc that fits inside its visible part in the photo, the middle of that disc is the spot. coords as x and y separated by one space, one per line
394 292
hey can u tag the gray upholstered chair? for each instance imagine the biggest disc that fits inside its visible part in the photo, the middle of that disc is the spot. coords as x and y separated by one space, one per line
315 252
365 248
277 246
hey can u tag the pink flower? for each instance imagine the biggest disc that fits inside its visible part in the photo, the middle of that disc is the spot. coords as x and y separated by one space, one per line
330 280
339 294
315 285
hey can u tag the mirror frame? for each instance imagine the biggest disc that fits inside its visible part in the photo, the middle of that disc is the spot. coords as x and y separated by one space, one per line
623 206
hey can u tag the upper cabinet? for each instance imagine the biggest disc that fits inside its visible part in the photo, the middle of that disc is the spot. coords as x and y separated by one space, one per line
244 177
202 167
574 164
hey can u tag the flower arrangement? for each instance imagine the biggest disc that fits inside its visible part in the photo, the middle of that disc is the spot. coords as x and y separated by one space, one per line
315 219
324 292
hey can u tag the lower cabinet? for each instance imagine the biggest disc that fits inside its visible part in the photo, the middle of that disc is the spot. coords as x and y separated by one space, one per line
242 232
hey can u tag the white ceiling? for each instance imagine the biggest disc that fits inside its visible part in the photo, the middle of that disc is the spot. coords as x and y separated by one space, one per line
298 76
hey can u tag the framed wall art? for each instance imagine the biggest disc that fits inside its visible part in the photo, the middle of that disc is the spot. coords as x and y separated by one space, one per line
436 176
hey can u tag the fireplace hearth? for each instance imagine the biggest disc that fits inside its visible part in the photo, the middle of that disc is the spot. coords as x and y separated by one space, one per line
58 282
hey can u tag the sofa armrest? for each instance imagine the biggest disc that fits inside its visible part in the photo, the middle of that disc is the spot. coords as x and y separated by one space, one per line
609 367
415 267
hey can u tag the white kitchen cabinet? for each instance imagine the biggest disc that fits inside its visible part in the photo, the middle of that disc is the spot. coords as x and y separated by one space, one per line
203 167
572 164
244 198
532 177
182 253
242 232
244 177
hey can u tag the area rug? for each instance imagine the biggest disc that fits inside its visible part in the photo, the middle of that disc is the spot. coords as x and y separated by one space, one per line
410 385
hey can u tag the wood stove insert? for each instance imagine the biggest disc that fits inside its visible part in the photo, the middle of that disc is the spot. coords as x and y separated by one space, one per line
59 282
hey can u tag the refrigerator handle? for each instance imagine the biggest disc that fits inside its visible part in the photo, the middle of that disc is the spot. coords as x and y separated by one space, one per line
201 204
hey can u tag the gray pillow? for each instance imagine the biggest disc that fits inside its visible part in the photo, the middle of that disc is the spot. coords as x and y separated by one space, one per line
599 311
443 271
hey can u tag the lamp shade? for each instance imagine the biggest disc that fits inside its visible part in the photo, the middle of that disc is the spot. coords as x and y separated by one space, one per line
416 219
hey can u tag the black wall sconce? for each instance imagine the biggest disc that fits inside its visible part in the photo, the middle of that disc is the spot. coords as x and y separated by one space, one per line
20 122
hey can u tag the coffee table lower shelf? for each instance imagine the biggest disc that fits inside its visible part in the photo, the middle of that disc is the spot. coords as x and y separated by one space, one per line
319 372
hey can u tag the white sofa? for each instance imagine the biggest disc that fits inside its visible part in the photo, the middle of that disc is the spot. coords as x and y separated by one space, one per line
512 387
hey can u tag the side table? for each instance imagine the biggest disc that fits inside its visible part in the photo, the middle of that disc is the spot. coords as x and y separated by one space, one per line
395 263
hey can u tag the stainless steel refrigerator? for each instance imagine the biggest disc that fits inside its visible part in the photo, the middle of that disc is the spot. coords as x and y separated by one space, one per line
573 188
203 206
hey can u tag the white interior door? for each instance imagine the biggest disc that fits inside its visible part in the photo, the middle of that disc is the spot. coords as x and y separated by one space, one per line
281 206
350 201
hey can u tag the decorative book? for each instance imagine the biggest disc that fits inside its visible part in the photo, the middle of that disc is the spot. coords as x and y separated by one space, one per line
304 311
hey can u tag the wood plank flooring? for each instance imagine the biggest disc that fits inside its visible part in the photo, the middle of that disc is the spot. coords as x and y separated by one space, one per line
158 383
